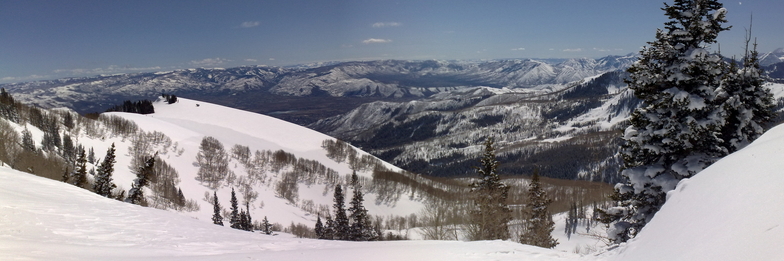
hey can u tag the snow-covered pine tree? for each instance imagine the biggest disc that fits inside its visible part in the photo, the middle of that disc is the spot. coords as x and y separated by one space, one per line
361 229
341 223
103 179
234 220
217 219
748 103
676 132
539 224
319 228
136 193
266 227
80 173
491 212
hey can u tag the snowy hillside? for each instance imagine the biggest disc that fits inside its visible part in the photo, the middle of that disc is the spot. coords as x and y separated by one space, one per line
187 122
730 211
42 219
288 172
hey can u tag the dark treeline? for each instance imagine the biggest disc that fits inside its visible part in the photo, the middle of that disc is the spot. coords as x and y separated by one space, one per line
140 107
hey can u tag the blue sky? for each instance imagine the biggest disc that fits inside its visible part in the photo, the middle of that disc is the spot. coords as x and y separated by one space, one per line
54 39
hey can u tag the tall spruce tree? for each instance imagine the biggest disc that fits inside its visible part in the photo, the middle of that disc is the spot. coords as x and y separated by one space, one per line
234 220
341 222
217 219
539 224
491 212
143 175
361 228
103 179
676 132
319 228
80 173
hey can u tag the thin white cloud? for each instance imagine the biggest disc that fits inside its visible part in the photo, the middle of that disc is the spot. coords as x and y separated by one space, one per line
518 49
573 50
251 60
601 50
249 24
108 70
374 40
271 59
386 24
209 62
24 78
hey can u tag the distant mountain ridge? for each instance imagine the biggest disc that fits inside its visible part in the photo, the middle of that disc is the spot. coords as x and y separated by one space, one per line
372 79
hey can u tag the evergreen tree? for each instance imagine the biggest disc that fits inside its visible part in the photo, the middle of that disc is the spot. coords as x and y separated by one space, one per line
234 220
80 173
677 130
91 156
104 183
539 224
27 140
361 228
8 108
491 212
748 104
329 228
68 151
266 227
319 228
217 219
66 176
180 197
243 224
136 193
341 222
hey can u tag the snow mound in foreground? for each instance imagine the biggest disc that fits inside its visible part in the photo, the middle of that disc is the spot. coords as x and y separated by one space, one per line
733 210
42 219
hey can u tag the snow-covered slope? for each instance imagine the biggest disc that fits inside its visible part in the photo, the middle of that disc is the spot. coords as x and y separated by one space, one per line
732 210
42 219
187 122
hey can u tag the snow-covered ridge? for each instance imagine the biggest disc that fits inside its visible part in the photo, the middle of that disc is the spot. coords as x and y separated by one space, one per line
391 78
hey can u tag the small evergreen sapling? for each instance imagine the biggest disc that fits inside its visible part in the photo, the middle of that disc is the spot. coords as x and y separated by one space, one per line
266 227
103 179
217 219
